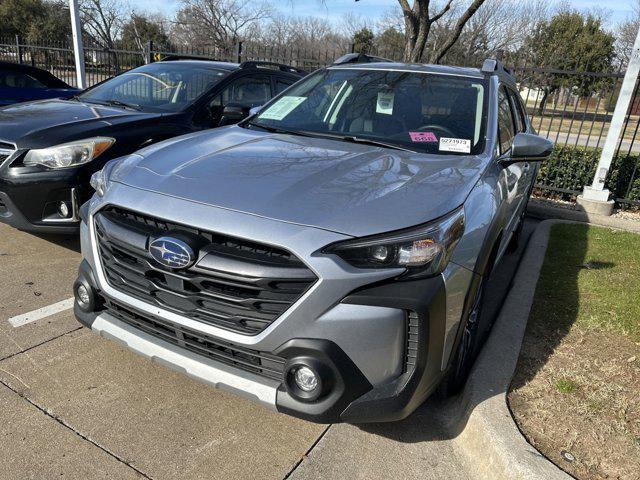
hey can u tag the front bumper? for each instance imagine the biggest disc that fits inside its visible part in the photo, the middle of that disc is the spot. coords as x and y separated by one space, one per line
352 397
29 200
383 342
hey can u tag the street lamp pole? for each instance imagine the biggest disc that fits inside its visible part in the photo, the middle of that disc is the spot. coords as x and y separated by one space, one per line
595 198
78 48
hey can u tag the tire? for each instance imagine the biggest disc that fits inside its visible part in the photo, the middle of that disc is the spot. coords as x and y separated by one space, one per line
467 350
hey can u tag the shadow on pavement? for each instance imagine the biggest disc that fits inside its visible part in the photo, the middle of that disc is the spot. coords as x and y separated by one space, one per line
70 242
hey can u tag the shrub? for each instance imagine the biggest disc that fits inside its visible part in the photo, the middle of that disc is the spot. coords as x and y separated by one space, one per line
569 169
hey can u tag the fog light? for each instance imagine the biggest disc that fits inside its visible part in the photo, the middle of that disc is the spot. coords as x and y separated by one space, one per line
82 296
305 378
63 209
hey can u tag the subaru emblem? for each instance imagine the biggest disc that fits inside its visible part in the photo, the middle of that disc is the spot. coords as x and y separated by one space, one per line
172 253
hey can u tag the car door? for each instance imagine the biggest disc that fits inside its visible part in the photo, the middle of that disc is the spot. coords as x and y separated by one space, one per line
513 174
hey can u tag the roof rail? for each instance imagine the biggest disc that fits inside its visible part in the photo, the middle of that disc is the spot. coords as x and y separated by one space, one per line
281 66
172 58
359 58
492 66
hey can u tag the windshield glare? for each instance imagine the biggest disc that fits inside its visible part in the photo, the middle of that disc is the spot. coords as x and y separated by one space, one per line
431 113
163 86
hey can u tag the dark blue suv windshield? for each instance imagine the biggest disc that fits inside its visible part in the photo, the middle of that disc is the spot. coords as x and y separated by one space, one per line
409 109
164 86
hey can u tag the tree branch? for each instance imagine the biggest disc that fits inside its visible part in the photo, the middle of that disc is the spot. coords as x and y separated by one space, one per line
462 21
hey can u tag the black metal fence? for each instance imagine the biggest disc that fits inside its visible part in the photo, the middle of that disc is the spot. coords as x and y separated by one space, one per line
571 107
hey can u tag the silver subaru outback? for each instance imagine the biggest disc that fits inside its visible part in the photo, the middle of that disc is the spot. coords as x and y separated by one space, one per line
325 257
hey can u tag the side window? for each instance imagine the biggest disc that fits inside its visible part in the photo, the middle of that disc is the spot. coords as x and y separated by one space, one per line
506 130
246 91
519 114
282 84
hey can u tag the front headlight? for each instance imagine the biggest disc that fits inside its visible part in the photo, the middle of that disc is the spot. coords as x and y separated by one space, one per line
100 179
69 154
423 251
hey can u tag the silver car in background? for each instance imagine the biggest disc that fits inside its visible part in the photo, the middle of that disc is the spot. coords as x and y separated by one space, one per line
327 256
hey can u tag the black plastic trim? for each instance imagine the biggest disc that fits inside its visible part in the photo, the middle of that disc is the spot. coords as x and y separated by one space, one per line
398 399
342 380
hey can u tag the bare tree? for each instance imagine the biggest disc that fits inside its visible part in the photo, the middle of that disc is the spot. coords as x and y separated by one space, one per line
419 19
102 20
219 22
627 33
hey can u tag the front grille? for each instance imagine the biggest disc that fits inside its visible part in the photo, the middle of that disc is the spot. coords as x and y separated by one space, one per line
260 363
235 284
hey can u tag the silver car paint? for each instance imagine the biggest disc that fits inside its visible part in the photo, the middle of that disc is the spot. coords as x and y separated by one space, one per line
317 314
349 188
299 199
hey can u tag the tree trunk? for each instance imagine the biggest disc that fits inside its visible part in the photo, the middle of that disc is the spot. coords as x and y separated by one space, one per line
543 101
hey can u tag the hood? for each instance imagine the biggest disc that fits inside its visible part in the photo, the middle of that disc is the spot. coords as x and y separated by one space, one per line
46 122
348 188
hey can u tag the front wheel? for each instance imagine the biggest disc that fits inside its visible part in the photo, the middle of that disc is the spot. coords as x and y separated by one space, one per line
467 351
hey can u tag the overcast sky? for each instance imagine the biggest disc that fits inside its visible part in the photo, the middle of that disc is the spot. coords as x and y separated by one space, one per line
334 10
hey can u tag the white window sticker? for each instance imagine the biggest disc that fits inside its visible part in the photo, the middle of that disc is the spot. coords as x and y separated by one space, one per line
282 108
459 145
384 104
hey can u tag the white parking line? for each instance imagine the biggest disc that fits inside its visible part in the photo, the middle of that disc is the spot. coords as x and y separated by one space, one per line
41 313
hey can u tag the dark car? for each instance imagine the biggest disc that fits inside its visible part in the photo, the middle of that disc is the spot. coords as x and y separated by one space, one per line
49 149
22 83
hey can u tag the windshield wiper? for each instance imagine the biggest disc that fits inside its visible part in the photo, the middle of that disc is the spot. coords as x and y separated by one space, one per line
377 143
333 136
118 103
271 129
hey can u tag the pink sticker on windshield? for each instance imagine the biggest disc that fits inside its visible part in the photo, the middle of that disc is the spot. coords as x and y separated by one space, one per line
423 137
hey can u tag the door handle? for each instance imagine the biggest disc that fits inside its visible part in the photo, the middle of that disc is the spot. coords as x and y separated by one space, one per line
527 167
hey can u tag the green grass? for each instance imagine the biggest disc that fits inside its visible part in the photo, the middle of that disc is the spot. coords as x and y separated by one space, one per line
566 385
591 279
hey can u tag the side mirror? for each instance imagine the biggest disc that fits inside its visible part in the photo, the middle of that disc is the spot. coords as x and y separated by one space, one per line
233 114
529 148
255 110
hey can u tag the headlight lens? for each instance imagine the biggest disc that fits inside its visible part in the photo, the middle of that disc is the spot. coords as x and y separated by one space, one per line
100 179
423 251
69 154
99 182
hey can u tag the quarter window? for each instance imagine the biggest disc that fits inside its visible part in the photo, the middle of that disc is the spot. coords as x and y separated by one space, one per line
19 80
506 129
519 115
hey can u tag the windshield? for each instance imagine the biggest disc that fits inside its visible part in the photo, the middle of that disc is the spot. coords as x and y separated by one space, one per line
162 86
423 112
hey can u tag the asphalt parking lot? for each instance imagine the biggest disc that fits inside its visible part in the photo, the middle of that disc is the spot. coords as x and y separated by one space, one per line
77 406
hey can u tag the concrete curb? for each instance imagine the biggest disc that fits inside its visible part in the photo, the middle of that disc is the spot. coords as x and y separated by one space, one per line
542 211
485 430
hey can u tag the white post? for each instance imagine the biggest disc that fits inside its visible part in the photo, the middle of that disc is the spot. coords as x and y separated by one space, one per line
596 192
78 48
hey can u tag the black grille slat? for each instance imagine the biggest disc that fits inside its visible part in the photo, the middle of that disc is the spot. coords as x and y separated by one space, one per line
411 341
236 284
260 363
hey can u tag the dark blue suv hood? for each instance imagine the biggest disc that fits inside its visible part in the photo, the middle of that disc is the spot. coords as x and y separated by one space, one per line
50 122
